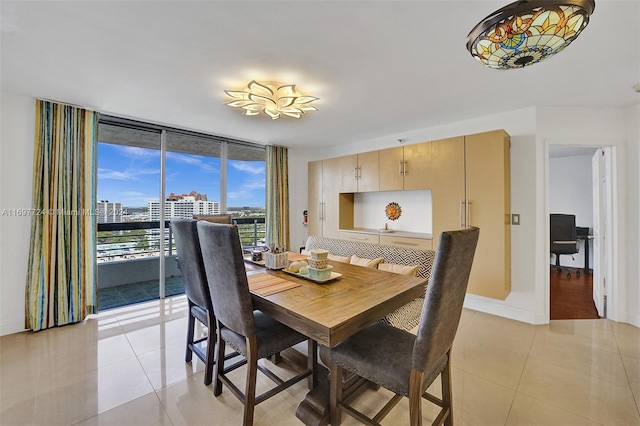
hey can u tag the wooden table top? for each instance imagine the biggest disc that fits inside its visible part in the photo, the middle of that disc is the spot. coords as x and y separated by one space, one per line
331 312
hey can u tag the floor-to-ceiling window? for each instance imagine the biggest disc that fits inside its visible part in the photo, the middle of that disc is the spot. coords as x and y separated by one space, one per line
149 175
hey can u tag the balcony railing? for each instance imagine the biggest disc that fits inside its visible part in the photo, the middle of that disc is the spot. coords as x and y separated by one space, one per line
131 240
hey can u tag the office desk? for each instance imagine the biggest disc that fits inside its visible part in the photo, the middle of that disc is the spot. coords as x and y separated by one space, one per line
587 239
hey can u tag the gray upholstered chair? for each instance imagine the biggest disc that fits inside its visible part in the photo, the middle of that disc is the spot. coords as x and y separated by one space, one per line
404 363
253 334
194 278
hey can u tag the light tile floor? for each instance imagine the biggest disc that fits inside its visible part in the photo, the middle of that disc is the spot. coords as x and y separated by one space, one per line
126 367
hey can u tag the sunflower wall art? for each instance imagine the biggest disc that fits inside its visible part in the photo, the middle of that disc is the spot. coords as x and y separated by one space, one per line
393 211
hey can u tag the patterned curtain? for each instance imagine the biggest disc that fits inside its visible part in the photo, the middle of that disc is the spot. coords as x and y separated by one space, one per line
277 196
62 276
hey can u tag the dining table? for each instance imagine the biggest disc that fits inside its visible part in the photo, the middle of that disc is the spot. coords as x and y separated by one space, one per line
329 312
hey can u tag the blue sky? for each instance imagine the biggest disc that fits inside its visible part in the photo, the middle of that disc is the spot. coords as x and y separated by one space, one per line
131 175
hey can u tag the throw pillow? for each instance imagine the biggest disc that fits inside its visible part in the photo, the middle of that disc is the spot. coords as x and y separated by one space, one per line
336 258
411 270
367 263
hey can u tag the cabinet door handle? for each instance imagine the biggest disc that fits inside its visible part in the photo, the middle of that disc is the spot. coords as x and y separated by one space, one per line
400 168
359 172
320 210
468 214
358 238
355 169
405 168
462 224
324 211
402 243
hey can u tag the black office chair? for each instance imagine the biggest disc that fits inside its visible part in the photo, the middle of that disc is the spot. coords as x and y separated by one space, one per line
563 240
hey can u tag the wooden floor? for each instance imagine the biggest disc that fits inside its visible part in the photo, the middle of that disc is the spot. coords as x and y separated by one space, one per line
572 298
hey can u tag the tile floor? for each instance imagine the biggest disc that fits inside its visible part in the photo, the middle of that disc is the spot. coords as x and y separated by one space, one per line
126 367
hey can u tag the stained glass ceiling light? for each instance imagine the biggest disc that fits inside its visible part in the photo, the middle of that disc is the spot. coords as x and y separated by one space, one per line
272 98
528 31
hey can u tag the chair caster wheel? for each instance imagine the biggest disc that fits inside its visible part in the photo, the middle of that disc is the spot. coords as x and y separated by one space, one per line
568 274
578 274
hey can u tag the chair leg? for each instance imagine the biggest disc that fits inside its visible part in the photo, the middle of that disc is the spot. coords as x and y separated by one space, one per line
190 330
217 385
415 398
252 372
211 349
335 394
447 394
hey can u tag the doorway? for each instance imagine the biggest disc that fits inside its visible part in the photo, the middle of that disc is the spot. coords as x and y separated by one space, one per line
578 186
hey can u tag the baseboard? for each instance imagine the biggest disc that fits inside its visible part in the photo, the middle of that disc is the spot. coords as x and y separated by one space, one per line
489 306
11 327
633 320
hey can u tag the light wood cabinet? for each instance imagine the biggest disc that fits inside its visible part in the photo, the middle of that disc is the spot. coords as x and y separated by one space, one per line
368 172
448 188
472 189
315 206
488 206
469 181
391 164
358 172
413 243
328 208
406 167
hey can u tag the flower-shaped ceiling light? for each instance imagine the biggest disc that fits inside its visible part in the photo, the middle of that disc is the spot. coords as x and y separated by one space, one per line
272 98
528 31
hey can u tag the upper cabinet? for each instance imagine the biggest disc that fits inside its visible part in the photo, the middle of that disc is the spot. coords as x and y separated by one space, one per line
325 184
405 167
359 172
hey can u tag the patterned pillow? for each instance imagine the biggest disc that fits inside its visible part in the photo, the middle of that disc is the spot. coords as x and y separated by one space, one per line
343 259
411 270
367 263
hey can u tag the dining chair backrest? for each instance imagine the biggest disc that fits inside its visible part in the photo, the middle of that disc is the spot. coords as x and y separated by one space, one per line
444 298
227 277
190 262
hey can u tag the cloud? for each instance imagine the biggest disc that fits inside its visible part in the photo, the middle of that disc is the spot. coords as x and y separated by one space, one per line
193 161
126 175
138 152
244 166
255 185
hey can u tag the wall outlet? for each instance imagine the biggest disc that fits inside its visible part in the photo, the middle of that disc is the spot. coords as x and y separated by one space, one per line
515 219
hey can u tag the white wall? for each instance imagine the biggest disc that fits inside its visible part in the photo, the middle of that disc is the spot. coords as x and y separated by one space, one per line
570 193
633 214
17 120
588 127
369 210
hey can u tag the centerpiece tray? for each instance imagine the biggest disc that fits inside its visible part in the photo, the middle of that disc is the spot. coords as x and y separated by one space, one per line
334 276
257 262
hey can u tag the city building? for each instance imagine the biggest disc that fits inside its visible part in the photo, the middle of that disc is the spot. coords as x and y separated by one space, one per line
183 206
108 212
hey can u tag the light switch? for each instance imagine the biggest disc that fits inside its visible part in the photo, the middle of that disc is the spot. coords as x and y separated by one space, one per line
515 219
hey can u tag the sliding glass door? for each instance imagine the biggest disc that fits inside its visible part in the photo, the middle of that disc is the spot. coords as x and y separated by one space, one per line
149 175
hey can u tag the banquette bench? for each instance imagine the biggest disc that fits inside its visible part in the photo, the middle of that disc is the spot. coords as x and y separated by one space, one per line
408 316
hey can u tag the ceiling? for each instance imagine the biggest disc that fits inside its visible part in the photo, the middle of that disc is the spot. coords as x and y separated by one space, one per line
379 67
